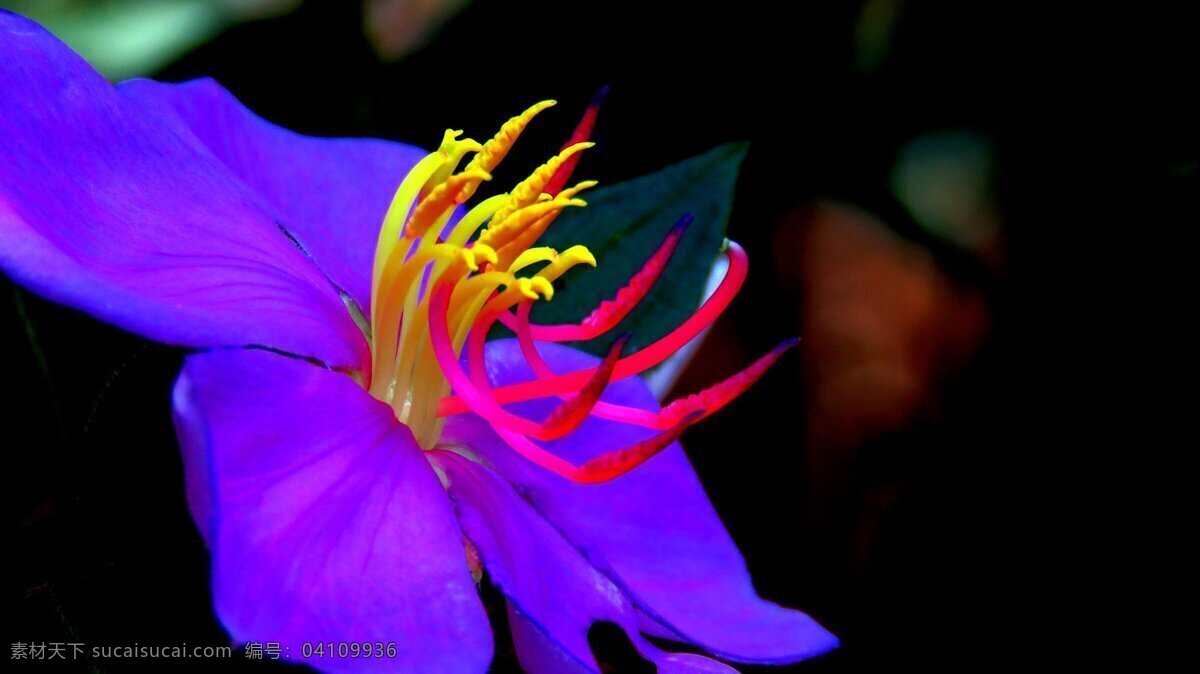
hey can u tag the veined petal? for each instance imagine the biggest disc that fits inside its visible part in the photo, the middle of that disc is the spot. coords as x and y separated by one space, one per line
110 209
326 521
331 193
539 654
652 530
555 594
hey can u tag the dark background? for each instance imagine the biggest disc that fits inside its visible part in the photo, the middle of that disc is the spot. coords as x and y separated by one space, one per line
915 476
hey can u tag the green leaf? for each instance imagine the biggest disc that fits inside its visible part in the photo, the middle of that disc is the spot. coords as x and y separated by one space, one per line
625 223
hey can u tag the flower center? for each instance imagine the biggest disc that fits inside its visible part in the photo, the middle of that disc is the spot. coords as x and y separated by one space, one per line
438 290
416 256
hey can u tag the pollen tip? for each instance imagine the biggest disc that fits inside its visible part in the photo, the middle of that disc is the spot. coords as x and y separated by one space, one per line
599 96
543 286
788 343
482 250
578 254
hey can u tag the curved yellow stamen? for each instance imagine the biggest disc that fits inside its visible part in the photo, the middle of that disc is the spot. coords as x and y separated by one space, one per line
440 200
532 256
411 260
454 150
527 191
573 256
501 232
474 219
494 151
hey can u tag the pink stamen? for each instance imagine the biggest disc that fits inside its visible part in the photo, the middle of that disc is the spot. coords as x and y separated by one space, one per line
513 428
582 133
601 468
700 405
611 312
629 415
630 365
475 389
575 410
443 349
703 403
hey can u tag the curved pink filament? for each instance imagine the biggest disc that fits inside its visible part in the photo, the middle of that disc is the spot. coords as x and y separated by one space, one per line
704 403
700 405
477 396
611 312
644 359
581 134
629 415
599 469
574 410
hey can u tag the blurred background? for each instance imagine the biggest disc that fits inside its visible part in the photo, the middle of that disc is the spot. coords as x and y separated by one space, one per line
914 171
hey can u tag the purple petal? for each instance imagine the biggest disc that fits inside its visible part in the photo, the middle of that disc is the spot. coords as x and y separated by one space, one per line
653 531
554 594
326 520
539 654
331 193
112 210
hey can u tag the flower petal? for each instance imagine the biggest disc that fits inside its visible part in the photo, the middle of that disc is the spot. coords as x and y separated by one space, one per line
653 530
112 210
327 522
331 193
554 594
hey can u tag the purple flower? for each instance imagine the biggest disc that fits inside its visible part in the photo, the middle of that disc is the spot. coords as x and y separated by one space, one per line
355 453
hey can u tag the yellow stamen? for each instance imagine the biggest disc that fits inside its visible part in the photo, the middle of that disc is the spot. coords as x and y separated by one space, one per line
494 151
527 191
411 261
532 256
501 232
575 255
440 200
453 150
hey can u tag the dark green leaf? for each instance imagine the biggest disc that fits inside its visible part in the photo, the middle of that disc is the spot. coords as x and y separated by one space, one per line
625 223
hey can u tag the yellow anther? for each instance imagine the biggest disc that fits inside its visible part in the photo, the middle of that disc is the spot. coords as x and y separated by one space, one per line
495 149
542 286
571 257
439 200
572 191
533 288
474 219
529 236
526 288
452 150
484 251
502 231
469 258
532 256
529 190
449 141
